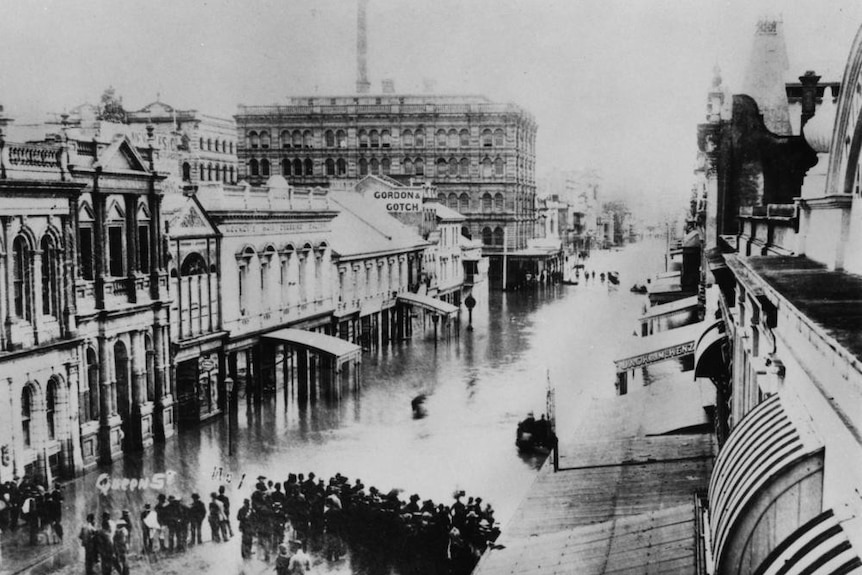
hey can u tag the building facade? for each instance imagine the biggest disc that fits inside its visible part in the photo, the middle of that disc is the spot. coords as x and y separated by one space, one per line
479 154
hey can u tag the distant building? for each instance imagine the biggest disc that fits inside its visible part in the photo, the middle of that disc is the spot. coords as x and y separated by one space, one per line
480 155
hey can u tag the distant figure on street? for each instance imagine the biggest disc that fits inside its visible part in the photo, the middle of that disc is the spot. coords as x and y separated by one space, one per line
226 529
87 535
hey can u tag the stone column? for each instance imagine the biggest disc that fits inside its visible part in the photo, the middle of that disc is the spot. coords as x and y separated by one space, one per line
70 271
100 241
131 206
36 290
138 385
73 448
9 238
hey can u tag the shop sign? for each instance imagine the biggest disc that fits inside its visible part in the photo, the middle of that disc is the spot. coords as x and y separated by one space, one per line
655 356
399 201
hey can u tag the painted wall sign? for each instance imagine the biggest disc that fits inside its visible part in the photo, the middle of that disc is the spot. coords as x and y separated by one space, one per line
398 201
159 481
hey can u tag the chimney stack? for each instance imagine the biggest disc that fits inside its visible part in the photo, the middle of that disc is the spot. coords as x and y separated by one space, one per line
809 95
363 86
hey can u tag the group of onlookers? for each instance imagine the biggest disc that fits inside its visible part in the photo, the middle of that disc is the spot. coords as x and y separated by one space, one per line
41 510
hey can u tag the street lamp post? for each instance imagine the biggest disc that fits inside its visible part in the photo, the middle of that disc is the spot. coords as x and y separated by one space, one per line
470 302
228 382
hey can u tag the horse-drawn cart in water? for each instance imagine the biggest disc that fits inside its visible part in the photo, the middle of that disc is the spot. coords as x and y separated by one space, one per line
535 435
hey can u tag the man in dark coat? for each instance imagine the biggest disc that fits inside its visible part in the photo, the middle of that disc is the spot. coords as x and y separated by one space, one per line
105 547
197 514
87 535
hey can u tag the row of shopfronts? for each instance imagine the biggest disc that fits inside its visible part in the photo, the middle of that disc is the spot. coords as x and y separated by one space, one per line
773 326
133 305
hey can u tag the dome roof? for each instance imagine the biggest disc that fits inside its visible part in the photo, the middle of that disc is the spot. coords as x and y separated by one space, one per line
818 130
277 182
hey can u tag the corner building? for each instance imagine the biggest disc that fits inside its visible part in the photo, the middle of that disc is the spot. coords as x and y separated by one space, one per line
479 154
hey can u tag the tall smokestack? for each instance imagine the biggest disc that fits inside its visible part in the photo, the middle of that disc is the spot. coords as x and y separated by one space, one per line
363 86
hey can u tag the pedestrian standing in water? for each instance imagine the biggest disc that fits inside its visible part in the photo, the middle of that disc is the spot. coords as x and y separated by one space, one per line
215 517
105 547
226 529
87 535
198 513
282 562
121 548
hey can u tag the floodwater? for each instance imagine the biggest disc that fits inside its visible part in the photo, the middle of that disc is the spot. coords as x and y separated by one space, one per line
478 384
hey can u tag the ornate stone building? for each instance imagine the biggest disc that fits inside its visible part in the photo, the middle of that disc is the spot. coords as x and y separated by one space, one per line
479 154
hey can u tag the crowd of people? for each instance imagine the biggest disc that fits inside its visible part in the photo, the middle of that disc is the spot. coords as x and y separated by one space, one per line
378 529
28 500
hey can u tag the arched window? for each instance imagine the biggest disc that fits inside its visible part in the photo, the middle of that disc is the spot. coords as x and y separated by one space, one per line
341 166
209 172
230 174
498 236
465 138
441 138
210 144
284 136
363 167
253 167
187 172
441 166
264 168
407 139
26 411
385 139
486 202
452 138
465 231
453 167
407 167
22 260
499 167
341 138
330 167
385 166
120 387
419 167
498 202
297 167
487 168
487 139
441 198
202 176
419 138
309 167
374 166
265 140
307 139
296 139
363 139
464 168
285 167
499 138
374 136
51 409
487 237
329 138
453 201
194 265
464 203
230 147
251 136
92 400
50 276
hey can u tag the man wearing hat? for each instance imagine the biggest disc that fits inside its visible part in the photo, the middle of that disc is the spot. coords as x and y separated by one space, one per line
197 514
149 525
282 562
121 548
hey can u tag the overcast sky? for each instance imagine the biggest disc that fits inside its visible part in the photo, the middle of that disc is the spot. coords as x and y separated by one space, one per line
615 85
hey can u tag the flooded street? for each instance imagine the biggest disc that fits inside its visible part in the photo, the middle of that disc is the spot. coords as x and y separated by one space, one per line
478 386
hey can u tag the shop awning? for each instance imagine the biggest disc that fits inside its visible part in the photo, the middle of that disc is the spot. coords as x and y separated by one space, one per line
670 308
333 347
429 303
763 448
664 345
708 359
820 542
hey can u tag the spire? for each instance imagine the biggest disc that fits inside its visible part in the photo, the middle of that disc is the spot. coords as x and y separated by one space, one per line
765 75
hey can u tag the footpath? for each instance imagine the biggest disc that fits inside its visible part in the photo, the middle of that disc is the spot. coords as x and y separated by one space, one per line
623 498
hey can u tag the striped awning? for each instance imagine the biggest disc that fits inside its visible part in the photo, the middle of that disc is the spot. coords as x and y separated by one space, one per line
708 359
818 546
768 441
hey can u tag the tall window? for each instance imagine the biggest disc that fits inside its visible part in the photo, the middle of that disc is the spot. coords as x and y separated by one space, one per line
285 167
115 251
363 139
453 167
297 167
499 166
487 236
487 139
21 270
307 139
374 136
385 166
329 138
50 409
265 140
499 137
419 167
253 138
330 167
374 166
385 139
253 167
264 168
296 139
26 410
285 139
407 167
309 167
464 203
453 201
486 202
341 138
464 168
498 202
363 167
487 168
441 167
407 138
92 402
143 246
441 138
498 236
86 233
151 367
187 172
465 138
419 138
452 138
243 287
341 166
50 265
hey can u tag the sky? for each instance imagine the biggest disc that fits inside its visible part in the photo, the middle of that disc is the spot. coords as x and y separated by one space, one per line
617 86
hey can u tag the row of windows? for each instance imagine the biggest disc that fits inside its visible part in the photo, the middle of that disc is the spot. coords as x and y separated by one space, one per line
210 173
378 139
118 262
210 145
331 167
25 302
493 237
461 202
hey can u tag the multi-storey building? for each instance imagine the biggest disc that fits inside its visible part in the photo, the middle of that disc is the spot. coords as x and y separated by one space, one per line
479 154
783 351
85 343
